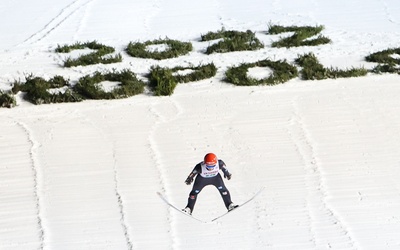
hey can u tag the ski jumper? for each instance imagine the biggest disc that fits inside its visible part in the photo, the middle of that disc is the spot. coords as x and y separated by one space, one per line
205 177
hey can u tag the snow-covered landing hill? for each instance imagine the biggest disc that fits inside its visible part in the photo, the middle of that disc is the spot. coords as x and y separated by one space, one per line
85 175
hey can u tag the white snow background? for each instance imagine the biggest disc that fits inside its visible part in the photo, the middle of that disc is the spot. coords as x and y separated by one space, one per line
85 175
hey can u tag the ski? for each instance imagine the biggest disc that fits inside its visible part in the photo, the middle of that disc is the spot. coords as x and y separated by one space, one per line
216 218
177 209
241 205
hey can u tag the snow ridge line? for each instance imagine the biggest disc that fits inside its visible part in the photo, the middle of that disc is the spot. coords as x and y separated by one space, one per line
219 15
121 203
156 158
387 12
318 208
153 145
162 119
156 8
37 181
54 23
82 21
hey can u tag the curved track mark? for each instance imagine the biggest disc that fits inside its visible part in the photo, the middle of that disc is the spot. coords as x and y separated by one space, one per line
219 16
121 206
326 224
387 13
37 181
55 22
161 112
120 200
155 9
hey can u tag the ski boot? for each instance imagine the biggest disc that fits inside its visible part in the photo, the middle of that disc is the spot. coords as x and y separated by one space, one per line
187 210
232 206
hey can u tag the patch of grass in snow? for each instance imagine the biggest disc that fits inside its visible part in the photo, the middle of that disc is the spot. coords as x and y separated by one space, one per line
198 73
301 37
7 100
96 57
232 41
37 90
57 89
128 85
281 72
313 70
388 61
164 80
173 48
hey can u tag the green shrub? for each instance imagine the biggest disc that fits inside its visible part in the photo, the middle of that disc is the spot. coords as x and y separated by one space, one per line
387 63
386 68
313 70
299 38
232 41
91 58
199 73
161 81
7 100
164 80
37 90
282 72
175 49
89 88
58 82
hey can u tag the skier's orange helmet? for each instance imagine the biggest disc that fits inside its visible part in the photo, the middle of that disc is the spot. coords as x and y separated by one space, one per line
210 159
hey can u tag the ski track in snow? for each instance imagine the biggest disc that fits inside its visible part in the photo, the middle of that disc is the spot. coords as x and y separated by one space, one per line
119 196
387 12
260 215
64 14
156 4
82 22
219 16
37 180
161 119
235 143
121 206
321 214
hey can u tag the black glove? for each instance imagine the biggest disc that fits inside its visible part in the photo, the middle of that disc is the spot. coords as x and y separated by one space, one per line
189 180
228 176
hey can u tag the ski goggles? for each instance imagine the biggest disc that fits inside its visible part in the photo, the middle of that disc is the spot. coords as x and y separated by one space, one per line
210 167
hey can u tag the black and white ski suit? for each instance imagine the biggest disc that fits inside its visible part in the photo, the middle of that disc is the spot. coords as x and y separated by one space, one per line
206 177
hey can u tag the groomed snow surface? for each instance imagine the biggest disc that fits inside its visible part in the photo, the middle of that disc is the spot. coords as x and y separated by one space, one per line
85 175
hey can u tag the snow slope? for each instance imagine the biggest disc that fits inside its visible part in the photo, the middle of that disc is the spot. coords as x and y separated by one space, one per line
85 175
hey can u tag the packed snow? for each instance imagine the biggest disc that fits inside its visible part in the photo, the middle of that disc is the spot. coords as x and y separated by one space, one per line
85 175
